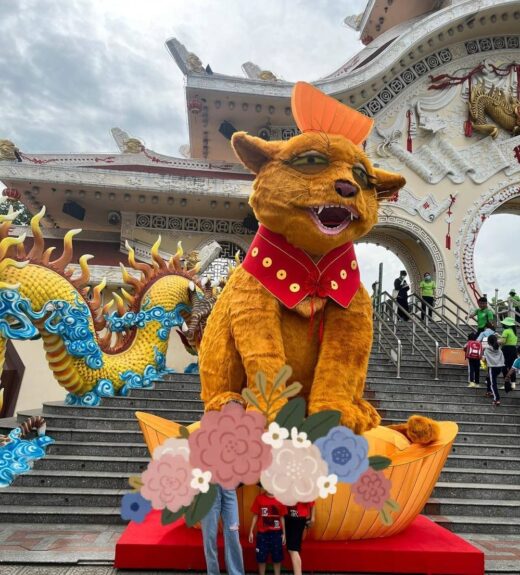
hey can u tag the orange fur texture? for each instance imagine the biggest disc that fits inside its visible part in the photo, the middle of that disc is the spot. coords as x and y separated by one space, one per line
249 330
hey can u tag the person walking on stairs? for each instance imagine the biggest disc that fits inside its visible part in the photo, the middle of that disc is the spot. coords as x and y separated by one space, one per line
473 353
484 315
495 363
508 340
515 369
427 287
401 289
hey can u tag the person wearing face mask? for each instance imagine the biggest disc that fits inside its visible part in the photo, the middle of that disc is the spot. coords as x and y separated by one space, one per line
401 289
427 287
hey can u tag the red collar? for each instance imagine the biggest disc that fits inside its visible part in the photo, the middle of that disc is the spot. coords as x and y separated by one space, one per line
290 274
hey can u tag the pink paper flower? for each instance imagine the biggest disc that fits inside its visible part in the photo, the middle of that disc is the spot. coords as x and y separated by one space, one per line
372 489
294 473
167 483
229 444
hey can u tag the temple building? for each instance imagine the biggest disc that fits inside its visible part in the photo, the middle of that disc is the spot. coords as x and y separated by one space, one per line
424 66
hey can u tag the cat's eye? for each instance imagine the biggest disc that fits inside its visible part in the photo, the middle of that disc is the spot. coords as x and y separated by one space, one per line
310 162
361 176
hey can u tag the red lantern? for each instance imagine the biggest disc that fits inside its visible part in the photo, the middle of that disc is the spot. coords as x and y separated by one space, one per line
195 105
11 194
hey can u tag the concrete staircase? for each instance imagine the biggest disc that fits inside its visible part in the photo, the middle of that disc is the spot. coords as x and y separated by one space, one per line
85 473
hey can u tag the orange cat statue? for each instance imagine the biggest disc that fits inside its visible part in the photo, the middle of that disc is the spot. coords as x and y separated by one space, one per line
297 298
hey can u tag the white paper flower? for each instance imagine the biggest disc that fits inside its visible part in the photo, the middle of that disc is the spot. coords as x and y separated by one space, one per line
299 439
275 435
200 479
327 484
173 446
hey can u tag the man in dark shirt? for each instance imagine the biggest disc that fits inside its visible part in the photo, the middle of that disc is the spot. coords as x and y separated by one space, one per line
401 287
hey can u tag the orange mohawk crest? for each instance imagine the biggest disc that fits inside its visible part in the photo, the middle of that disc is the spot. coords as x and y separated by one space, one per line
316 112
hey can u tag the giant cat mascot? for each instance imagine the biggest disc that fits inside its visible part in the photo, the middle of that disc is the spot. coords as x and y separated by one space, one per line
297 298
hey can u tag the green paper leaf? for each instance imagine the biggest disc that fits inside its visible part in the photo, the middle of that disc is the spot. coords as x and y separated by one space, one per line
320 423
292 390
379 462
184 432
282 376
168 516
261 384
394 506
292 414
385 517
200 506
250 397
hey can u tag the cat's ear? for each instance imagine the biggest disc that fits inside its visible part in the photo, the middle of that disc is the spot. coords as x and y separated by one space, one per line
253 152
387 184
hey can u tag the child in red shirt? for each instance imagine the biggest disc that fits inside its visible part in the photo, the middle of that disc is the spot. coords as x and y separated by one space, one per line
297 519
270 538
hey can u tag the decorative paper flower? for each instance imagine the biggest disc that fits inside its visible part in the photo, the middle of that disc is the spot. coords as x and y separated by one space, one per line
372 489
173 446
167 483
134 507
200 480
345 453
327 484
299 439
275 435
229 444
293 474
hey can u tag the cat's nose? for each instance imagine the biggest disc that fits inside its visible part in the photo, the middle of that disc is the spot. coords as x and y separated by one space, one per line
345 189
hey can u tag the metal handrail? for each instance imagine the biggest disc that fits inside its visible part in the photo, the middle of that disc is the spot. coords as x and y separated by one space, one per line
415 323
380 335
461 313
444 325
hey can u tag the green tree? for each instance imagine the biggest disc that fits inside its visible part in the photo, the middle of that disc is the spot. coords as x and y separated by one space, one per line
23 219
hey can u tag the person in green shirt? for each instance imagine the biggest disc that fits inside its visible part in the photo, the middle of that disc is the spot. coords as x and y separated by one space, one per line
427 287
483 314
508 340
515 300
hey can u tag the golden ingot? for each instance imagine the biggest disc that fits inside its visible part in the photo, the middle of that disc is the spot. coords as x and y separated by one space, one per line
413 473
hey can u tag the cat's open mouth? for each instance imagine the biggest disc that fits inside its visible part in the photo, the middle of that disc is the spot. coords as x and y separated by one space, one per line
332 220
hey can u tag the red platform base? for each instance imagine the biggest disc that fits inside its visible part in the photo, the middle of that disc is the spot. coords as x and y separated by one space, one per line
423 548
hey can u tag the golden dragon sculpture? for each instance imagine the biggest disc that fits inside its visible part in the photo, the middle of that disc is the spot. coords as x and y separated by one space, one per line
499 106
92 351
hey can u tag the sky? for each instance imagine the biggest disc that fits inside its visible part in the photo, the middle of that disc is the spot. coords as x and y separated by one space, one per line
70 70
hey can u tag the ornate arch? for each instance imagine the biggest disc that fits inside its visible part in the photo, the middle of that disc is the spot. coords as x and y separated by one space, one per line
429 245
479 212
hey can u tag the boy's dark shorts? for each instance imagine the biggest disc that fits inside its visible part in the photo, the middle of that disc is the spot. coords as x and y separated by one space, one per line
294 528
268 544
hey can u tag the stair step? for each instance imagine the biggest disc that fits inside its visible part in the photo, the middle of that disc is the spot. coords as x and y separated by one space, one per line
483 463
479 476
50 497
478 524
485 449
94 448
59 479
475 507
476 491
131 465
27 513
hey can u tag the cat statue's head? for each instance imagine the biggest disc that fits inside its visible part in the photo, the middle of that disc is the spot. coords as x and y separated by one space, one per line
318 189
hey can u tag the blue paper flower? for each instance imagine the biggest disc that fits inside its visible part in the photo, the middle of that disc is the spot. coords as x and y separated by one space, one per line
134 507
345 453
